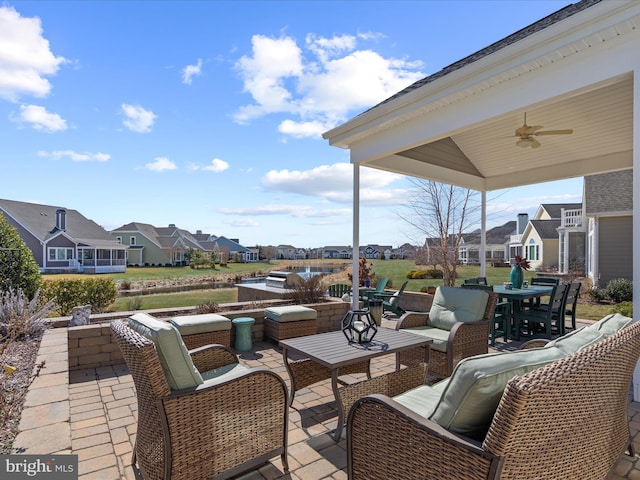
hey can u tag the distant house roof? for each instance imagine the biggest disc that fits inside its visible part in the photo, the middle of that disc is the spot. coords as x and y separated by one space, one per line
555 209
40 221
232 245
547 229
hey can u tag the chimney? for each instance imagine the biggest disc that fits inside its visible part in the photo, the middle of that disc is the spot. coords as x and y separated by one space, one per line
61 219
198 232
172 225
523 219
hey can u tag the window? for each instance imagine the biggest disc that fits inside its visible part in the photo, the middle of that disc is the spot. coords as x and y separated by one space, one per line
132 240
534 251
119 240
59 253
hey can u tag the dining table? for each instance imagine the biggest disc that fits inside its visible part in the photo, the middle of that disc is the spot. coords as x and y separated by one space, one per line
516 296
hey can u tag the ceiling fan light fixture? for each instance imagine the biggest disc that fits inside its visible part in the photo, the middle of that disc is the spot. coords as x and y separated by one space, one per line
525 142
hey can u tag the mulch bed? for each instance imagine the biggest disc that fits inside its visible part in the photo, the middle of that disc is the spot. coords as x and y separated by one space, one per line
13 389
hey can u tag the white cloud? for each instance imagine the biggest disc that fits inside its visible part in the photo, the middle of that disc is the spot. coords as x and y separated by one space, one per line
191 71
39 119
335 183
318 86
75 156
216 166
242 223
137 118
298 211
161 164
25 57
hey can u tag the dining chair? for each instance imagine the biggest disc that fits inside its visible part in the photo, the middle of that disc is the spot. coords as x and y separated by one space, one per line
535 302
501 323
572 301
533 317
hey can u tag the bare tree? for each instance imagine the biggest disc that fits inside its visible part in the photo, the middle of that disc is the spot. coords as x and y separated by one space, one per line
440 213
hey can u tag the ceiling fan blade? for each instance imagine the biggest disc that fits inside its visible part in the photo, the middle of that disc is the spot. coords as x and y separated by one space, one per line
535 143
567 131
527 130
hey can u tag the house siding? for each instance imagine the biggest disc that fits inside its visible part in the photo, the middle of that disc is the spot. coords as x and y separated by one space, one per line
615 250
30 241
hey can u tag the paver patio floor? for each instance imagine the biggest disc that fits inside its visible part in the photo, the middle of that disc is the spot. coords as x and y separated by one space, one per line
102 413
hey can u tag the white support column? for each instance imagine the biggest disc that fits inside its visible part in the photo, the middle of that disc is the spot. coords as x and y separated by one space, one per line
636 216
483 235
355 278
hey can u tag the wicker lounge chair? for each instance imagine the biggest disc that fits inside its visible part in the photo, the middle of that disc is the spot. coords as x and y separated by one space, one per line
453 339
538 430
232 420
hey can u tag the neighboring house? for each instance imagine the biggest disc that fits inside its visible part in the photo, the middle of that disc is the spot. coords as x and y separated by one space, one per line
237 252
376 251
495 245
155 246
404 251
608 206
287 252
342 252
63 240
553 239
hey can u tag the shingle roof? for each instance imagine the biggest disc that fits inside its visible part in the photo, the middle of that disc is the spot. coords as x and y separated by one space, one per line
495 235
555 209
609 192
546 228
40 221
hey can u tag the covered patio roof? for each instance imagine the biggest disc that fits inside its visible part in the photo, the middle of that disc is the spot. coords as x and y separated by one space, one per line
571 70
578 69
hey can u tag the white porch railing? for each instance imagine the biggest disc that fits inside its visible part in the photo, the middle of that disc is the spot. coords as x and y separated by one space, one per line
571 218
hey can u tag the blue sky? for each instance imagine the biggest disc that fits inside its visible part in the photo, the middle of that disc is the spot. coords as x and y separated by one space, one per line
209 114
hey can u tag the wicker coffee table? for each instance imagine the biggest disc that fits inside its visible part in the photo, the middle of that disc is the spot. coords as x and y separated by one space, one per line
329 355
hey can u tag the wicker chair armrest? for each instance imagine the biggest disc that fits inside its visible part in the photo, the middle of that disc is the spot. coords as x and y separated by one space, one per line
535 343
412 319
212 356
387 440
247 411
468 339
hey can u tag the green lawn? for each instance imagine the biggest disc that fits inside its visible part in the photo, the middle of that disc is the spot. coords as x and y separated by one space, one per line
395 270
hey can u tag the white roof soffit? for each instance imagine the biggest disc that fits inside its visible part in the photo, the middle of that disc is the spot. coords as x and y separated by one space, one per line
459 128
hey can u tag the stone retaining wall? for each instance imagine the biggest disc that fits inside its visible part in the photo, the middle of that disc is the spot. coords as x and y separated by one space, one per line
92 346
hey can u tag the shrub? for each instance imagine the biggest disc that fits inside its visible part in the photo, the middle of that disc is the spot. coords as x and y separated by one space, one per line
134 303
623 308
20 317
97 292
18 269
620 290
596 294
207 307
307 290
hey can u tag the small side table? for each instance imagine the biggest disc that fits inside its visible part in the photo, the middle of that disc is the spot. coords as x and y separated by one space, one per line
243 333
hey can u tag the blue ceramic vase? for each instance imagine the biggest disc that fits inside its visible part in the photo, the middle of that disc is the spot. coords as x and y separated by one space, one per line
516 277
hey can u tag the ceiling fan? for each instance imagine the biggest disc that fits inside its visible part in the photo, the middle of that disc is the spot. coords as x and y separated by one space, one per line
526 134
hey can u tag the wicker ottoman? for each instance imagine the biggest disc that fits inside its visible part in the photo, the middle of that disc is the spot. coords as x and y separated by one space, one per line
204 329
288 322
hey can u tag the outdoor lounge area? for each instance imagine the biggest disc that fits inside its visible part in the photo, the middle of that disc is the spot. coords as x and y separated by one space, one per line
93 412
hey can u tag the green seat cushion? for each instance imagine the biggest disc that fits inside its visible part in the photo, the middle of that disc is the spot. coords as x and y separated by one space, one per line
437 335
470 398
194 324
611 324
576 340
174 356
423 399
223 372
290 313
451 305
